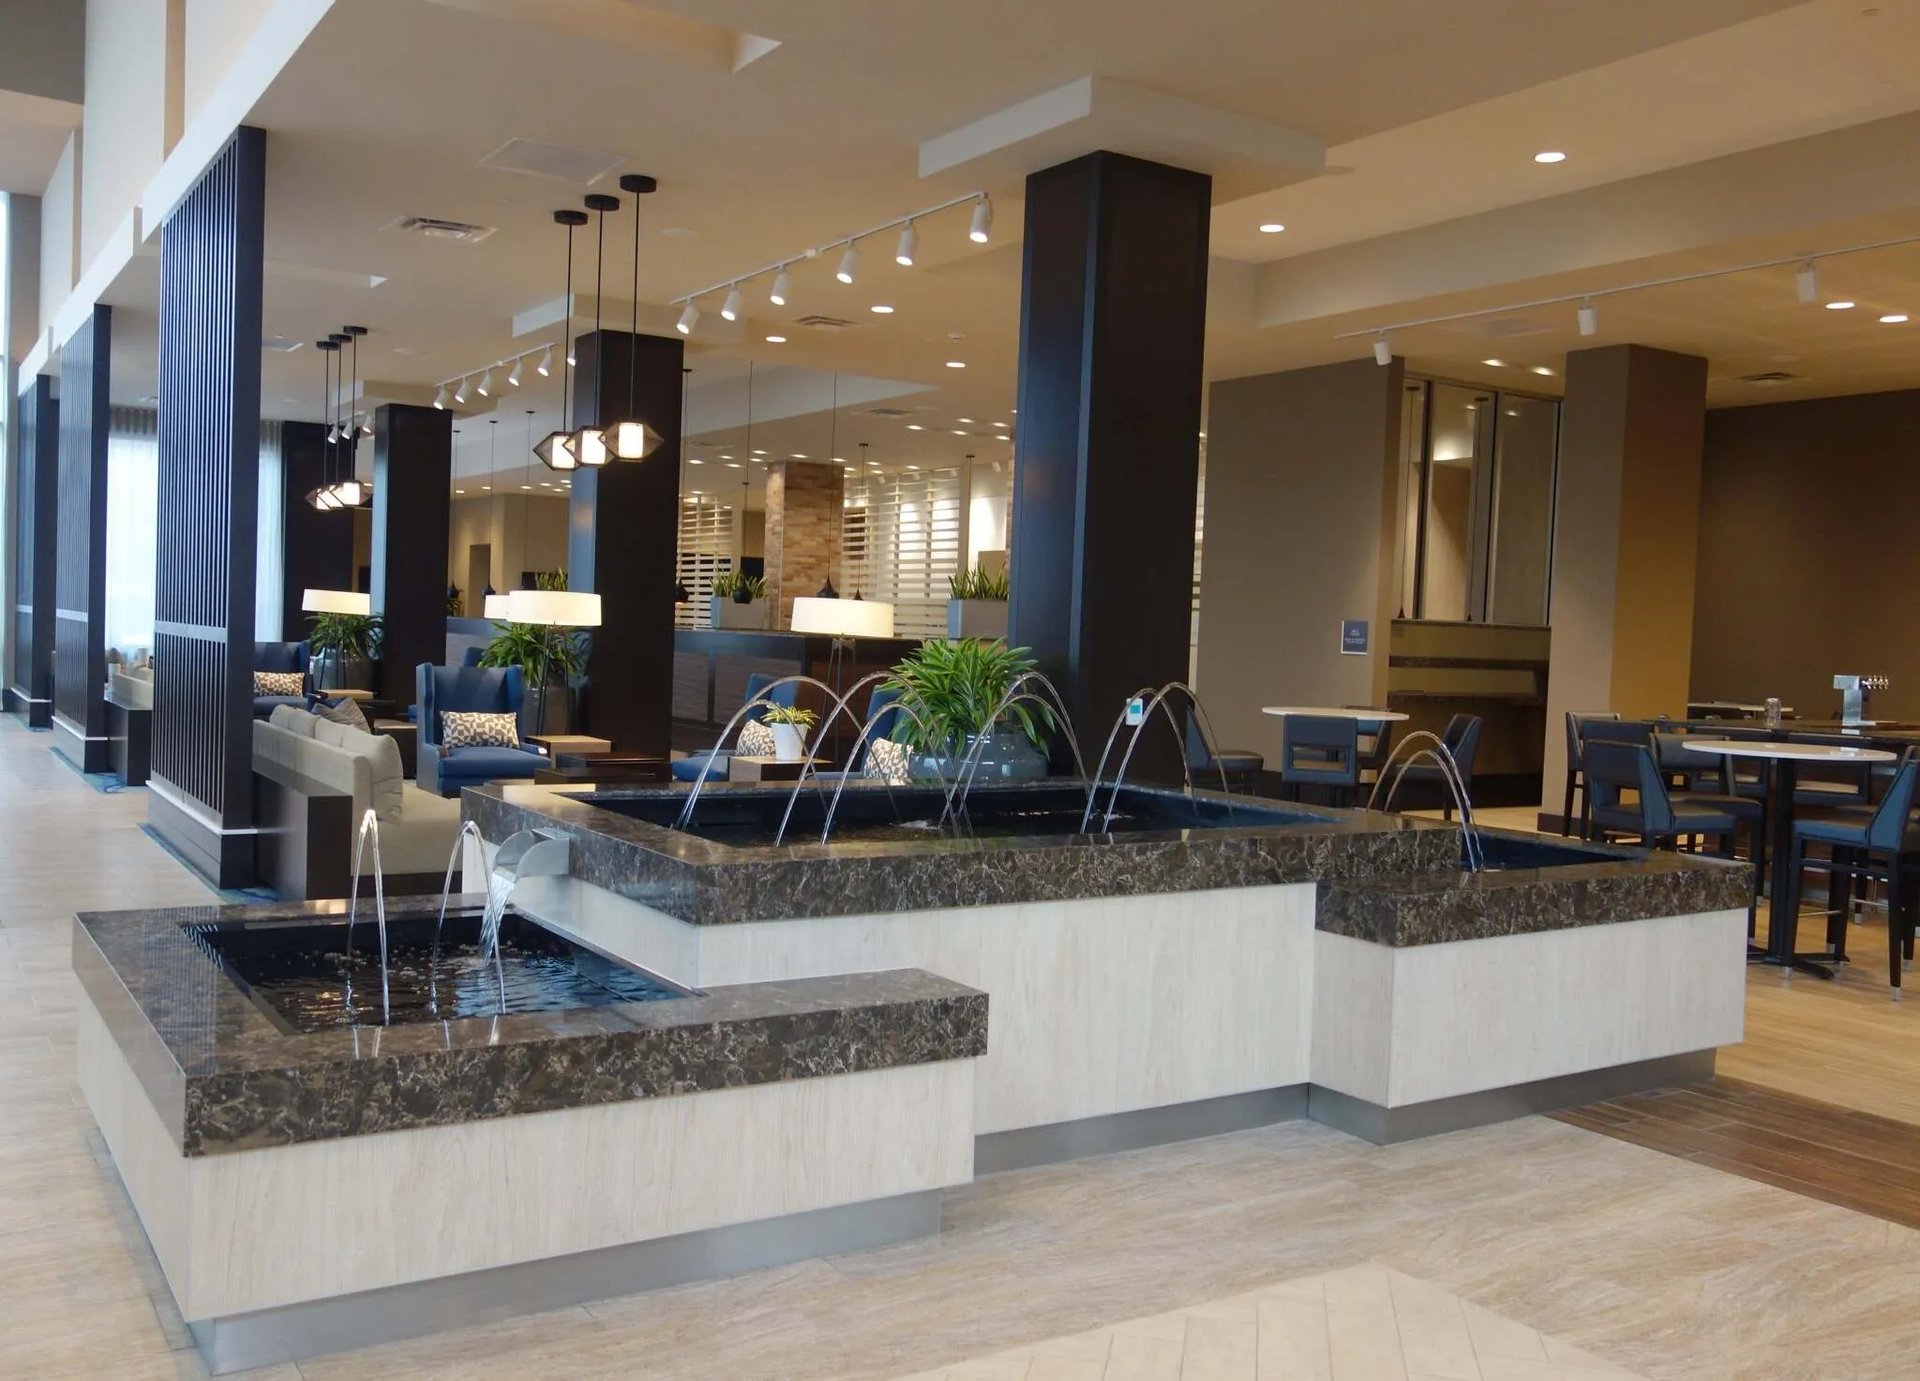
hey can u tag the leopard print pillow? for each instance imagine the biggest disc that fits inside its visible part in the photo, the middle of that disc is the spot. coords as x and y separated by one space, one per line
279 683
756 740
473 729
888 762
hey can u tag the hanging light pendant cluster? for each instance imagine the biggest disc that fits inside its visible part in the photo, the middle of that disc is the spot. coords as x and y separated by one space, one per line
632 438
557 449
344 430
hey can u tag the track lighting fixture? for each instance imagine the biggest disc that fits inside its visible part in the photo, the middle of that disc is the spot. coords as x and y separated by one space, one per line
486 384
460 393
1382 350
849 262
781 283
909 242
441 399
1806 282
1589 318
689 318
982 226
545 367
730 309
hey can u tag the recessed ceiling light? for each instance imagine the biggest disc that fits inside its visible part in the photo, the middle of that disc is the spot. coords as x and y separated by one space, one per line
757 451
776 340
956 364
798 456
726 457
1008 424
733 465
913 467
1272 228
1550 156
526 486
695 460
915 427
1841 306
1893 318
966 420
958 432
459 491
486 486
1541 369
1495 364
882 308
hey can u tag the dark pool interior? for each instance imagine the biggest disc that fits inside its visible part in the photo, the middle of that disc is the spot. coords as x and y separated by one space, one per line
302 977
1500 852
869 814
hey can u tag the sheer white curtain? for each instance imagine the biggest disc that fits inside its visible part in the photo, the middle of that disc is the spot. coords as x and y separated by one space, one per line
270 559
133 489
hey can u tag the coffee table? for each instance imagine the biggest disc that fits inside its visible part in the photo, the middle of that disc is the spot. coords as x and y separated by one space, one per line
556 745
626 768
754 769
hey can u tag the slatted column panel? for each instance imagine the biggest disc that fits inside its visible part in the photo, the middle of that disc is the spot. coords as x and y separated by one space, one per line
80 546
210 270
30 677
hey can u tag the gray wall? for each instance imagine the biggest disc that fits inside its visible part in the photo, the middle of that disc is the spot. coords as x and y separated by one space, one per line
1808 555
1299 535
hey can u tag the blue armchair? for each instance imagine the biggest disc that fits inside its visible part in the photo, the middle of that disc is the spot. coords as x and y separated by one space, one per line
687 769
494 690
279 657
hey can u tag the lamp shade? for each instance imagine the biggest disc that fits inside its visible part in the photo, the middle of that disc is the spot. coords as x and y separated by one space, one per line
554 608
843 618
495 608
336 602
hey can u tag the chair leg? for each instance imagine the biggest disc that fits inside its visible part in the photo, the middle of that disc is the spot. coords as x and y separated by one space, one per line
1796 879
1566 810
1840 899
1896 923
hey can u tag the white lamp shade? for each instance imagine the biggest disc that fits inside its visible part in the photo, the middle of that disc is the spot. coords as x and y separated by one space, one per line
843 618
496 608
336 602
554 608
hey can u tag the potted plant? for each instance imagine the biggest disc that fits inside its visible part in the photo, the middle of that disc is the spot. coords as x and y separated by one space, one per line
553 660
977 604
789 725
950 692
343 648
738 601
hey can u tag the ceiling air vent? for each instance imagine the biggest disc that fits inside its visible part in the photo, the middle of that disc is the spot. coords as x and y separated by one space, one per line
1770 377
561 162
435 228
887 412
823 323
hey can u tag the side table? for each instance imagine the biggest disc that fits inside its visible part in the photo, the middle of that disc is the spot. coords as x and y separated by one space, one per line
406 734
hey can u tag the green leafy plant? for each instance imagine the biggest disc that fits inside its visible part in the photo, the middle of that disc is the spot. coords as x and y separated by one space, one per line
454 606
732 585
346 635
951 690
978 583
790 714
544 654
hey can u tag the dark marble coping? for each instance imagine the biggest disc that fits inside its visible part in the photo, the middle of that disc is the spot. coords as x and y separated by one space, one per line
1621 884
225 1078
704 882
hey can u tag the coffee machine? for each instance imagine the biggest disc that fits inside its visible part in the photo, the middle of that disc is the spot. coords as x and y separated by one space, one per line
1854 691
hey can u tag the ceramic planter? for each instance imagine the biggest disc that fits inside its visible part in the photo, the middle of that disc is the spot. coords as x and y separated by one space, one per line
977 618
730 613
788 743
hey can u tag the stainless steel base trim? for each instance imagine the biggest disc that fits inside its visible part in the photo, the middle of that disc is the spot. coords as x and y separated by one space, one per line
1024 1147
292 1332
1383 1126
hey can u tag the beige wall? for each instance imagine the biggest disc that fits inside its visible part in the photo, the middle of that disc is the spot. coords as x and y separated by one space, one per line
131 51
1808 559
525 534
1301 491
214 31
59 231
1625 536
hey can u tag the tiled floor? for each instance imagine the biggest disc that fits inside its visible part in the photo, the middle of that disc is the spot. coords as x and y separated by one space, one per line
1366 1323
1663 1266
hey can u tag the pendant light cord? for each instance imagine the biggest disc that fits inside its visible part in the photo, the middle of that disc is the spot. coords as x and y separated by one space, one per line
633 333
599 345
566 355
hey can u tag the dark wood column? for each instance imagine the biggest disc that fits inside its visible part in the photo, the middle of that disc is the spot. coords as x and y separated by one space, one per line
624 523
200 796
319 546
80 555
1112 319
35 467
412 499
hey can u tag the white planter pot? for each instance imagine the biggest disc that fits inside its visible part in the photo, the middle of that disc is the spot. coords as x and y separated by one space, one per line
788 745
728 613
977 618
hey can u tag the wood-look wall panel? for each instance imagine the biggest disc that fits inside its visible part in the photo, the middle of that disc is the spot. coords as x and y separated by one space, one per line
211 252
36 464
80 545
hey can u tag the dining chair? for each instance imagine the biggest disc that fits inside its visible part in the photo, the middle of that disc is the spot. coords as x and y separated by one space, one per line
1709 782
1884 847
1318 750
1240 765
1830 785
1577 720
1627 795
1431 792
1375 745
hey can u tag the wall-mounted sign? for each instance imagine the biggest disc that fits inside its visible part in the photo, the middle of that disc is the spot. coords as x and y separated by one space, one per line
1353 637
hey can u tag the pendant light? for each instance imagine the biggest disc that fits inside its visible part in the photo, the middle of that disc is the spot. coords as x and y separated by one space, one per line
826 590
349 491
321 495
631 438
681 595
556 448
590 441
493 604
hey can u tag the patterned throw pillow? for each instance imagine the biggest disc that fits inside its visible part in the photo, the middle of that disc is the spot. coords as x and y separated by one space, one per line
756 740
347 712
472 729
887 762
278 683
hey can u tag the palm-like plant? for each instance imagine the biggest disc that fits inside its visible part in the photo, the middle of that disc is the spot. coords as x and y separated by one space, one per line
952 691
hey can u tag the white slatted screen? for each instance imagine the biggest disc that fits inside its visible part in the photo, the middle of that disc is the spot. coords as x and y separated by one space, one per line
901 539
705 550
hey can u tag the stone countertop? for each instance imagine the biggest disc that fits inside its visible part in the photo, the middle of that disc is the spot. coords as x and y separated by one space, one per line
1620 884
225 1078
703 882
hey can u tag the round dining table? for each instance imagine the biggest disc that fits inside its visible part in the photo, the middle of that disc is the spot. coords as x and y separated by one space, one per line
1337 712
1783 775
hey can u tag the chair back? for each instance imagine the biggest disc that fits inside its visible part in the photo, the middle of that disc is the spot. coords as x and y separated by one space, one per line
1634 731
1197 755
1319 750
1888 827
787 695
281 657
1463 742
487 690
883 712
471 657
1376 741
1615 768
1577 719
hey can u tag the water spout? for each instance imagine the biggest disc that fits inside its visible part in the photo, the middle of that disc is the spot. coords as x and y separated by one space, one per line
369 829
840 704
1017 693
1442 758
1160 700
833 806
706 768
527 854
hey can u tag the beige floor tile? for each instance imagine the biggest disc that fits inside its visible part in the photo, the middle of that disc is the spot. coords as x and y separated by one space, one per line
1145 1357
1220 1349
1294 1344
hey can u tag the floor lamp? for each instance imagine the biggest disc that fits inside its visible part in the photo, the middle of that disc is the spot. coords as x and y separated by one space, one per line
313 601
846 621
547 610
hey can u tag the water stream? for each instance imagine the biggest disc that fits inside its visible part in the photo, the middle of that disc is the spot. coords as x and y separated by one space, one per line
1442 758
370 829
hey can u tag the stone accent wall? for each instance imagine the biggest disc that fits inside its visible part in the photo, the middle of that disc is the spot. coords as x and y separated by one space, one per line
803 530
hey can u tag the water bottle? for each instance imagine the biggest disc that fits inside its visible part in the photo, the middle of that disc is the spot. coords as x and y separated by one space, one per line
1773 712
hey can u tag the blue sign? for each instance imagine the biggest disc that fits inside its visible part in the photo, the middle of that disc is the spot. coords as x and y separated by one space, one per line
1353 637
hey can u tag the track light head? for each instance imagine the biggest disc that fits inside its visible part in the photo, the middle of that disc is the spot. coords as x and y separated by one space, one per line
573 359
460 393
1382 350
440 399
849 262
781 283
513 375
688 319
982 226
366 424
1806 283
486 384
1589 318
730 309
909 242
545 366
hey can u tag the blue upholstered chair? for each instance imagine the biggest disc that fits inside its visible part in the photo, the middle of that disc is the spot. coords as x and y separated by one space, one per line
883 712
279 657
490 690
687 769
